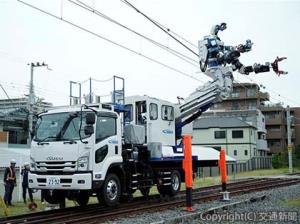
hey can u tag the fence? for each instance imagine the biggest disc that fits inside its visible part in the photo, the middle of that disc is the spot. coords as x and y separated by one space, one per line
233 168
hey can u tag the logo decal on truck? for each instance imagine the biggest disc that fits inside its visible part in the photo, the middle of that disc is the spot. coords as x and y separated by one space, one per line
113 141
167 131
54 158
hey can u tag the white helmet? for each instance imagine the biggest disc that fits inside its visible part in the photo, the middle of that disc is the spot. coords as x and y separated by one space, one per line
13 161
26 164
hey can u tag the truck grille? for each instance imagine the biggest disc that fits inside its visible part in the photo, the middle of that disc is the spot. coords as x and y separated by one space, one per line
68 166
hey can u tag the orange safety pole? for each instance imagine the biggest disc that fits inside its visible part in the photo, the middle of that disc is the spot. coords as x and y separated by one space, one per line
222 167
188 170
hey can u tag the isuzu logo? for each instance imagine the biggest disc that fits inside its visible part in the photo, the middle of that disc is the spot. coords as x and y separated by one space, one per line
54 158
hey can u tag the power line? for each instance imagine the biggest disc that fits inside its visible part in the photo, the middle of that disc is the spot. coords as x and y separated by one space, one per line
110 41
166 48
278 94
164 29
167 30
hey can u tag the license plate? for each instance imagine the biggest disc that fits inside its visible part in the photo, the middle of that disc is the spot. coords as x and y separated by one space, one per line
53 181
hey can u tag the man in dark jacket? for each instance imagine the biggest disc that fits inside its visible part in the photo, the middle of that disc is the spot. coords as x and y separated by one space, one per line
9 182
25 182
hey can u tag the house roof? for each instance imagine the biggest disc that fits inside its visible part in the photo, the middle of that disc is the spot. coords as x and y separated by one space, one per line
220 122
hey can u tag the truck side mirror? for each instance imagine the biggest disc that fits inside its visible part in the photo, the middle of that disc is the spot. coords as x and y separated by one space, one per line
90 118
88 130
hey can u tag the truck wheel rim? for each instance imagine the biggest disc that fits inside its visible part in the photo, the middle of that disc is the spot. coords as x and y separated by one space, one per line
112 190
175 182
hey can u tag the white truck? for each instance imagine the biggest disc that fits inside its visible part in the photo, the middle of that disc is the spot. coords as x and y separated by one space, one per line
86 150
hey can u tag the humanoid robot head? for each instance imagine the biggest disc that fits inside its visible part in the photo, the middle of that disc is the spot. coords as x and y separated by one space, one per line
216 28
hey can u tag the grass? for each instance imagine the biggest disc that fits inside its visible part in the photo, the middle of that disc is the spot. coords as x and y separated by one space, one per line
266 172
294 203
20 208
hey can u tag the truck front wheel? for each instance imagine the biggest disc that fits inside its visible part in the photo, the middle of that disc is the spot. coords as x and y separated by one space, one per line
83 198
111 190
54 197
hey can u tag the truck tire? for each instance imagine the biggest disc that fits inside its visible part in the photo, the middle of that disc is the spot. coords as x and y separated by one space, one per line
145 191
111 190
83 198
173 188
57 197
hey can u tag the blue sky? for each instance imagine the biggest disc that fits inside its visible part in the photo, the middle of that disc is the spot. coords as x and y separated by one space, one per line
29 36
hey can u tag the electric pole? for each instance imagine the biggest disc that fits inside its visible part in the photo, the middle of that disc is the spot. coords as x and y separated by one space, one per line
289 136
31 98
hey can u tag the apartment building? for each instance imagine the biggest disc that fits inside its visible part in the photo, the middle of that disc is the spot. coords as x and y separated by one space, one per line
14 119
276 123
245 96
248 96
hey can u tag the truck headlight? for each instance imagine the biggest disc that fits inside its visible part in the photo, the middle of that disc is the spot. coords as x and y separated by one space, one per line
83 163
32 164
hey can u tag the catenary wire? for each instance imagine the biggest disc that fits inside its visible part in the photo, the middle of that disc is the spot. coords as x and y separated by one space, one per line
166 48
110 41
165 30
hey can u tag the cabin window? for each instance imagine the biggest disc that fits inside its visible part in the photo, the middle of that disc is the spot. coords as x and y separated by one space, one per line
128 115
101 153
106 127
167 113
153 111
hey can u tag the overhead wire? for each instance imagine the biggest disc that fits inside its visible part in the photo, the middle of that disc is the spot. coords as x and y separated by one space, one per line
166 48
110 41
271 90
166 30
163 28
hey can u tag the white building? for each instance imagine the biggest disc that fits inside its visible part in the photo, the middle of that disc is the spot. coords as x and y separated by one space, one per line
237 137
252 117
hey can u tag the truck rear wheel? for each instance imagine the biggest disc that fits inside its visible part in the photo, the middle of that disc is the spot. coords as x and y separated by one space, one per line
174 186
111 190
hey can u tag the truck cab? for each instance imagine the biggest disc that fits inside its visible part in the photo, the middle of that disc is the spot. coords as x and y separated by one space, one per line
72 150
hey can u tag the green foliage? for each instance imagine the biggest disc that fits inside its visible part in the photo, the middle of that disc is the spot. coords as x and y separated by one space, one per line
280 160
275 161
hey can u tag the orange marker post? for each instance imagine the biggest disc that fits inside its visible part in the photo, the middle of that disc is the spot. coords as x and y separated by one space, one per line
188 170
222 167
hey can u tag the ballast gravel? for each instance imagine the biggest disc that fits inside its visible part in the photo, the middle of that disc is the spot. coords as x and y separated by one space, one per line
270 210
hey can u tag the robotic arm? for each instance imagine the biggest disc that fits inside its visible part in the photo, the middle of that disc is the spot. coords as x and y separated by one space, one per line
259 68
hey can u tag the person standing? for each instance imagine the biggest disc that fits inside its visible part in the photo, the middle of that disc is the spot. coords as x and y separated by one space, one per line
9 182
25 187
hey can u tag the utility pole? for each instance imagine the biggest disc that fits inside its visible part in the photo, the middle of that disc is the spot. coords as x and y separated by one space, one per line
289 136
90 97
31 98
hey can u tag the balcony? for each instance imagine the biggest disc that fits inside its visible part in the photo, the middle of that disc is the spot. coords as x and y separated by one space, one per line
261 144
276 149
275 135
264 96
277 120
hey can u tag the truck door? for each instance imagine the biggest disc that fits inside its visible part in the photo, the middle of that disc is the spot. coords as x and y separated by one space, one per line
141 114
107 148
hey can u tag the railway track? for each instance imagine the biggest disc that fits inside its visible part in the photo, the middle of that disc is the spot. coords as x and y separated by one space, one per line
97 213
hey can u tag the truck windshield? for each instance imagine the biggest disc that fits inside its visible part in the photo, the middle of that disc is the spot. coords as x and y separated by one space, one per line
59 127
